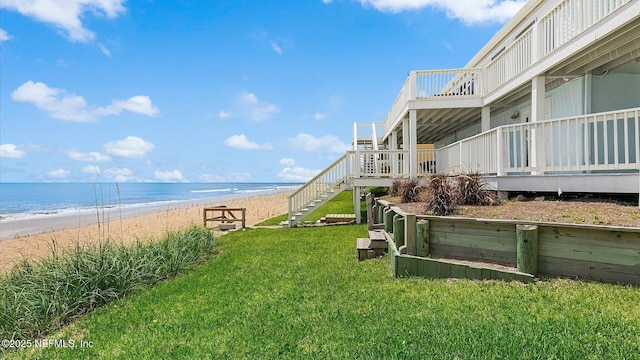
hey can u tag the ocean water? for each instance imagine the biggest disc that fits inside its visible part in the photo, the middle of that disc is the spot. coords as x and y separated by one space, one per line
51 198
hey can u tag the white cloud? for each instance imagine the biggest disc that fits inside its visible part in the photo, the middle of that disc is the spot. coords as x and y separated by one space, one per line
58 174
276 47
241 142
287 162
468 11
138 104
309 143
169 175
66 15
73 107
91 169
119 174
224 114
257 110
130 147
88 157
104 50
319 116
11 151
53 101
298 174
227 177
326 1
4 36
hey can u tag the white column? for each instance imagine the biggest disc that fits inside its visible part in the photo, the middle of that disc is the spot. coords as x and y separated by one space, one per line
537 98
485 119
356 203
588 80
537 114
413 144
405 145
355 136
393 147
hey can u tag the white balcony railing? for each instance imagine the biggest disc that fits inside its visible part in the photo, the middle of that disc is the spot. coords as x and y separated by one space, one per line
567 20
607 141
452 84
511 62
598 142
570 18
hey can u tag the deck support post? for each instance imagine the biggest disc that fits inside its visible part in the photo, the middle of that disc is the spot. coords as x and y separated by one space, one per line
485 119
356 204
394 157
413 144
405 147
371 212
537 114
527 249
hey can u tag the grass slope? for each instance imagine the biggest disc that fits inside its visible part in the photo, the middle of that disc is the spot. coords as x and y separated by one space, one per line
300 293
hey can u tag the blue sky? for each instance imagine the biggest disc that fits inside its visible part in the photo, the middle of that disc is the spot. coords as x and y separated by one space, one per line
199 91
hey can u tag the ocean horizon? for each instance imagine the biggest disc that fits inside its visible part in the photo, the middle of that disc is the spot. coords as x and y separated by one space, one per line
45 198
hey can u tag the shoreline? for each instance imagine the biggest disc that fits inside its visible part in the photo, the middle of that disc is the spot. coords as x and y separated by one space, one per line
142 223
19 225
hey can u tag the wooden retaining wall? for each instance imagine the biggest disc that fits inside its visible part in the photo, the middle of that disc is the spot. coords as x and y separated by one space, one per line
594 252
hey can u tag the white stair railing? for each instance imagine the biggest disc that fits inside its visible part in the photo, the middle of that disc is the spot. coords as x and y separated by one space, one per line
327 181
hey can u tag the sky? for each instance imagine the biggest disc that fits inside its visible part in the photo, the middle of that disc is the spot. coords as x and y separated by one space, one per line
212 91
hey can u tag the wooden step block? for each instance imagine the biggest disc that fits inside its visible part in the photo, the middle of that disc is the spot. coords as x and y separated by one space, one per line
376 235
226 227
335 218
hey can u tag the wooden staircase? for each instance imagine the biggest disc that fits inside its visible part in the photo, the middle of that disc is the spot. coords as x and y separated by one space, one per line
322 188
322 198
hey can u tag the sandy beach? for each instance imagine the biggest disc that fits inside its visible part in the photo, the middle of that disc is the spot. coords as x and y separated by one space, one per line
35 239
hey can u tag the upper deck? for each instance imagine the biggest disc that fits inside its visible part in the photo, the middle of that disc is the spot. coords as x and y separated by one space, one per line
557 39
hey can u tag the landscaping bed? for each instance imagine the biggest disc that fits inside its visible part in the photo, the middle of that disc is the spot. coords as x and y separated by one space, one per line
590 211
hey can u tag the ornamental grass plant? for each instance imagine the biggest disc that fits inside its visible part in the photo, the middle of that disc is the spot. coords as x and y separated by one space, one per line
40 296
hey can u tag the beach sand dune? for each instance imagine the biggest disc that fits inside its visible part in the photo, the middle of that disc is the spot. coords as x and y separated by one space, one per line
129 230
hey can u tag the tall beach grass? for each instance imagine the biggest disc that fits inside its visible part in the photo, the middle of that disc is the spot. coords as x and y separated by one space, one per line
40 296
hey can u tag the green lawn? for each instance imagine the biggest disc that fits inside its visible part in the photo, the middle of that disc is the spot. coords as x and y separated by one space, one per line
300 293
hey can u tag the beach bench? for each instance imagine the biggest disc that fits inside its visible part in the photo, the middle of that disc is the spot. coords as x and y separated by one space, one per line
225 216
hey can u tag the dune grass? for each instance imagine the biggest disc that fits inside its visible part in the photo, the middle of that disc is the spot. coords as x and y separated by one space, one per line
301 293
40 296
